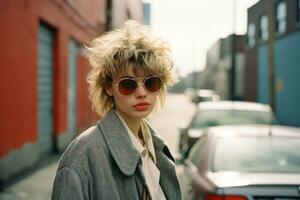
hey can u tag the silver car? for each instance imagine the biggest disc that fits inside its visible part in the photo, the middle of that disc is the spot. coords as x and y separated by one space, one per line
204 95
218 113
254 162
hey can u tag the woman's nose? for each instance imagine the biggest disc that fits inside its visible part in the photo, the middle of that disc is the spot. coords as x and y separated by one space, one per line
140 91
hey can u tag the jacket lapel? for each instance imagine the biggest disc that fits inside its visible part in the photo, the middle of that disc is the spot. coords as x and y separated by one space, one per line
165 163
127 157
118 143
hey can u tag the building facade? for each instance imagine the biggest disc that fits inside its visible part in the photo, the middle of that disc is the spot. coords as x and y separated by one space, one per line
283 37
43 100
224 63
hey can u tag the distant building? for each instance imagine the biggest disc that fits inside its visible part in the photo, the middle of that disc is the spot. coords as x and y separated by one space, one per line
121 10
218 72
189 82
147 12
286 48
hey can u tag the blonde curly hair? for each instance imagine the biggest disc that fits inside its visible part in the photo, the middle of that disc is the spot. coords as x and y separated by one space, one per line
116 50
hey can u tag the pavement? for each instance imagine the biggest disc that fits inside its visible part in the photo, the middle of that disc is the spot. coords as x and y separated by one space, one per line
36 184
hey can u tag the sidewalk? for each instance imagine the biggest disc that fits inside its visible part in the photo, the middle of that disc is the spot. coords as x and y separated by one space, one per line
37 185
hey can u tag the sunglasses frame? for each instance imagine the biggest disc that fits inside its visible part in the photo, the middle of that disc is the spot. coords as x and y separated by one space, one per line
144 79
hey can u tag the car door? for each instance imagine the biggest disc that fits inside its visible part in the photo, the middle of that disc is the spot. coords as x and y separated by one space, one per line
191 180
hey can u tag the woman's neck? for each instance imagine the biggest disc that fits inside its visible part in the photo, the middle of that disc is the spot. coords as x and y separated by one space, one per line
133 124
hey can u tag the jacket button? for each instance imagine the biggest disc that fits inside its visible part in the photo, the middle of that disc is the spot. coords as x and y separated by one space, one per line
144 153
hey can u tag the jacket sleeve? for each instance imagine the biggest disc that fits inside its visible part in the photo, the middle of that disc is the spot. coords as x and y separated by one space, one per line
67 185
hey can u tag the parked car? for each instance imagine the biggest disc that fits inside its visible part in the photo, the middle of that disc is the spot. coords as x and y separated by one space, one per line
246 162
204 95
209 114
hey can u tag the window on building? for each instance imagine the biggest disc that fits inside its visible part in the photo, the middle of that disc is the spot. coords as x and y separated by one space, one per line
281 17
251 35
263 27
298 11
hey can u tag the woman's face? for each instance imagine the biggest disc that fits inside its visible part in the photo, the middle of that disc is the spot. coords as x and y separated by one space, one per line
136 105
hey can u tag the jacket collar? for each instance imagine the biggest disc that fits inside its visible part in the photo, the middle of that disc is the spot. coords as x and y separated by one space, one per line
127 157
118 143
165 164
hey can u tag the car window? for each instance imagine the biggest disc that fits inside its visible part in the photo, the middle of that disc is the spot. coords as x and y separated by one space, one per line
209 118
257 154
196 153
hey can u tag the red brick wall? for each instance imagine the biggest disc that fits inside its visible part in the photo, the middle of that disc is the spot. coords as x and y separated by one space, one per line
85 115
60 81
18 76
19 22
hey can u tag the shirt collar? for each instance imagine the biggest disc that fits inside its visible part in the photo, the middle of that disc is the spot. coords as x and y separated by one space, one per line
120 146
146 135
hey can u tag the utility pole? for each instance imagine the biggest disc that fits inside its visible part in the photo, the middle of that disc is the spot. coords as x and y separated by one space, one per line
232 71
271 71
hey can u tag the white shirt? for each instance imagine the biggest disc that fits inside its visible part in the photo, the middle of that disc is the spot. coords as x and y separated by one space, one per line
150 171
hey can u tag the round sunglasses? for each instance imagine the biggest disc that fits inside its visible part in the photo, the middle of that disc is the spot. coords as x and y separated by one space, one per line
127 86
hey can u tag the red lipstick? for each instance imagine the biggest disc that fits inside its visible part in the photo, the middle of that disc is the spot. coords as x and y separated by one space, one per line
141 106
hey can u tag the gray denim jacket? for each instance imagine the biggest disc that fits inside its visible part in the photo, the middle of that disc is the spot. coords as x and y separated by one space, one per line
102 164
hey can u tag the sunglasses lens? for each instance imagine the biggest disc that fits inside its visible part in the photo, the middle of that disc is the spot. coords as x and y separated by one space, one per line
153 84
127 86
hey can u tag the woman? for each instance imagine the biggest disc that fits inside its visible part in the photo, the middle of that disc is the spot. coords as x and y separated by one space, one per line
122 157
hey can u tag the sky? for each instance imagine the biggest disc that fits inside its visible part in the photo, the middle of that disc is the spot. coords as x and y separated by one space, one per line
192 26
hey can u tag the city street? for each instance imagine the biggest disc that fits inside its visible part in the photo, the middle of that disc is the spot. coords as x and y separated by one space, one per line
38 185
65 61
177 110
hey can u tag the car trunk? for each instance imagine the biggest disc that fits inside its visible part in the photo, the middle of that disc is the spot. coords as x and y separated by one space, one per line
259 186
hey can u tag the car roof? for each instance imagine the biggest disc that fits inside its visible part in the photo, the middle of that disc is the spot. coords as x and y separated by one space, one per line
255 130
233 105
205 92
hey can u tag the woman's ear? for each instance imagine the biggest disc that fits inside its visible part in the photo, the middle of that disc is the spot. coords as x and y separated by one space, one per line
108 89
